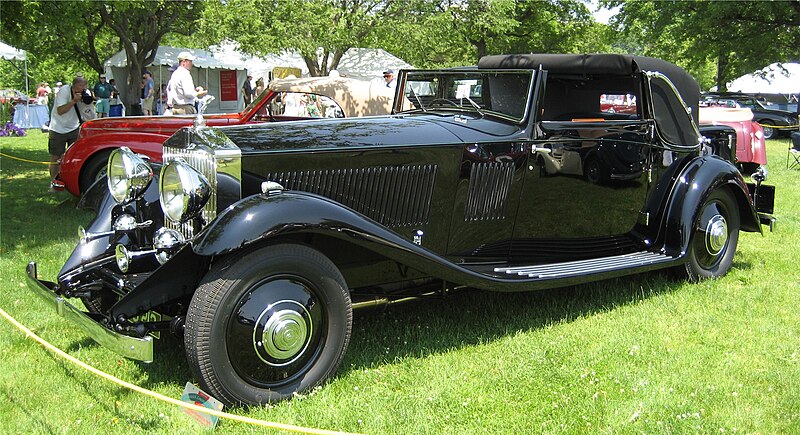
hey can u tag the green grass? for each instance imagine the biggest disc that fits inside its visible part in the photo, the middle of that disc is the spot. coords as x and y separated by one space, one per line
639 354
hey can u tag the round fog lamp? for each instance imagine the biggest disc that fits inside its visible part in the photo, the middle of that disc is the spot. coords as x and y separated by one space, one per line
128 174
183 190
167 242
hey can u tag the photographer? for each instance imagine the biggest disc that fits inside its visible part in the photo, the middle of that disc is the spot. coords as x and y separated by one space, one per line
72 106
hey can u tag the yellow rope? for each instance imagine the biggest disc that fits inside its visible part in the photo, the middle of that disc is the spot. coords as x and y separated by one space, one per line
23 160
239 418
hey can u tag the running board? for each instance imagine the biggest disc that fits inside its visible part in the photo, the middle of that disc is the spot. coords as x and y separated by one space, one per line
584 267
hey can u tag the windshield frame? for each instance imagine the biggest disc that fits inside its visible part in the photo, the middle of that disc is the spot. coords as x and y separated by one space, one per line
407 101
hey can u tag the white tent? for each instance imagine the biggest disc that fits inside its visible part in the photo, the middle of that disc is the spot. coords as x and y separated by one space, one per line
10 53
223 78
357 63
778 78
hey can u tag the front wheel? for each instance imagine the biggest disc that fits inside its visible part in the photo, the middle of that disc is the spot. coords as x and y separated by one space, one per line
714 239
94 169
268 323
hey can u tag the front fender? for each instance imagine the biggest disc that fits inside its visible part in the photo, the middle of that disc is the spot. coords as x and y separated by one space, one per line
696 182
84 149
262 216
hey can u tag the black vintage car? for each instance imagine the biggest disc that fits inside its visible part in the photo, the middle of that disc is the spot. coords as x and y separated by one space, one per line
256 243
773 121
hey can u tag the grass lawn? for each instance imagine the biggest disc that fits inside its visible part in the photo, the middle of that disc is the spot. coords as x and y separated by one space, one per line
639 354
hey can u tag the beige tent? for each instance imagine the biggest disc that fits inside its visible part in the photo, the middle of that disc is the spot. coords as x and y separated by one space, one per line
355 97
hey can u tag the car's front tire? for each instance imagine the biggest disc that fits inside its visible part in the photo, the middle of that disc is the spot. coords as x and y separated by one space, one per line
715 237
94 169
268 323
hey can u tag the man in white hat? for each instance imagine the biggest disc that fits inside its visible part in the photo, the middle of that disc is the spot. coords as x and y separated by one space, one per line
183 93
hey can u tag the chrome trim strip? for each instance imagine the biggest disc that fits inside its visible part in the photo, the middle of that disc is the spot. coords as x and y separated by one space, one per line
140 349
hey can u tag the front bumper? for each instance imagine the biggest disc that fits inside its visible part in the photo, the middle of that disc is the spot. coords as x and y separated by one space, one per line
130 347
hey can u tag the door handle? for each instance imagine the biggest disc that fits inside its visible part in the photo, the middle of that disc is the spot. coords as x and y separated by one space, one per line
543 150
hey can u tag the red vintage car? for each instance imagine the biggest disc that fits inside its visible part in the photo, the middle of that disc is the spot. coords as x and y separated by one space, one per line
751 150
283 100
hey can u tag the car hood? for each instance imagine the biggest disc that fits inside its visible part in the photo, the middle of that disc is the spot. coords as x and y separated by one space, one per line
397 130
151 124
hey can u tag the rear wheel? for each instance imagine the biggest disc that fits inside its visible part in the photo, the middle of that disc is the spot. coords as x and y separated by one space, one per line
268 323
715 237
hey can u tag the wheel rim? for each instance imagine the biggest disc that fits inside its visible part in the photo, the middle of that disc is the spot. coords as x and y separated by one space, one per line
768 130
275 331
284 335
713 234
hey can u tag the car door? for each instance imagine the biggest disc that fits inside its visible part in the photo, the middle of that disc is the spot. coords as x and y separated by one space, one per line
587 174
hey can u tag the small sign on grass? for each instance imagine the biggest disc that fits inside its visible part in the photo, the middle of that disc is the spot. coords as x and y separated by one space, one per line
192 394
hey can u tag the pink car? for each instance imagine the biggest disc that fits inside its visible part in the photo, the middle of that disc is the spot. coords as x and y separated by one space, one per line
751 151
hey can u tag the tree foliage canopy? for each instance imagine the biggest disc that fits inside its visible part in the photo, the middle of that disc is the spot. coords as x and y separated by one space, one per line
72 35
425 33
727 38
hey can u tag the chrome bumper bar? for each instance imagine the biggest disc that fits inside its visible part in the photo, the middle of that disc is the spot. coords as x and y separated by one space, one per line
140 349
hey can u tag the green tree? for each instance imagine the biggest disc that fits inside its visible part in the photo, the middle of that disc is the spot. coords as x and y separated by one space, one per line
459 32
321 31
728 38
81 33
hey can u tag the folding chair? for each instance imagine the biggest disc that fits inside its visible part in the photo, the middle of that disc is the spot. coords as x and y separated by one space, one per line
793 155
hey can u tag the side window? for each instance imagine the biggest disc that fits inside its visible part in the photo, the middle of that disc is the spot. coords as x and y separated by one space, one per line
618 103
598 98
305 105
674 124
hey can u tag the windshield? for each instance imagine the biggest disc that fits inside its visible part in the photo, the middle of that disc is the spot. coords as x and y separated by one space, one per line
500 93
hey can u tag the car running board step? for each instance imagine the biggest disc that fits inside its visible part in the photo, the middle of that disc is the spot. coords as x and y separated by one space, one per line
581 267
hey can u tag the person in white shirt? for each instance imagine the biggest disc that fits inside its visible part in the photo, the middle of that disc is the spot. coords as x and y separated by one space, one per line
181 86
71 107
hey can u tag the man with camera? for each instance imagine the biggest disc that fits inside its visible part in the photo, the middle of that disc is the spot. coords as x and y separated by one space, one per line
71 107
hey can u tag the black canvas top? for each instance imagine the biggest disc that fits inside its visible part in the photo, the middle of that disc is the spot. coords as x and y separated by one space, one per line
600 64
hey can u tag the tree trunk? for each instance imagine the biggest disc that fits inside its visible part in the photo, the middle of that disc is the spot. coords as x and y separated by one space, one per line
723 62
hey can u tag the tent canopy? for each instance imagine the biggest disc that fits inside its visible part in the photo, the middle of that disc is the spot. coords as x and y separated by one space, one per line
168 56
10 53
357 63
778 78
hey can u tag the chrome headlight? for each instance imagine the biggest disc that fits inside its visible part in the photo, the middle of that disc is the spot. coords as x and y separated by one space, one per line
184 191
128 174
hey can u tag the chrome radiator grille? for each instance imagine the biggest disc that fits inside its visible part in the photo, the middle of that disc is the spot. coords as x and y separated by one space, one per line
204 162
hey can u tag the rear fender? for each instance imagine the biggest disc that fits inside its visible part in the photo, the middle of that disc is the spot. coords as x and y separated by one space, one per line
694 185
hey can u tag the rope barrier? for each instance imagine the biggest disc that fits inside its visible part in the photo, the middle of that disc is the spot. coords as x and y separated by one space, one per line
23 160
138 389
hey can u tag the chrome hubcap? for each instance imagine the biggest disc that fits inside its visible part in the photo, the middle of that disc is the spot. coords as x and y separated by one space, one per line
286 333
716 234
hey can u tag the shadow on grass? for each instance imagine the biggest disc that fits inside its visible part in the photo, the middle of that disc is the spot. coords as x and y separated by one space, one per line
476 317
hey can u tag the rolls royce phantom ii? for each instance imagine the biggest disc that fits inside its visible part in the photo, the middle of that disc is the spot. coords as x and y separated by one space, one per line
255 243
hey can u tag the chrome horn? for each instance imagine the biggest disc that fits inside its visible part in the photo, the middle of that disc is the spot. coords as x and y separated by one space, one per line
124 223
124 257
